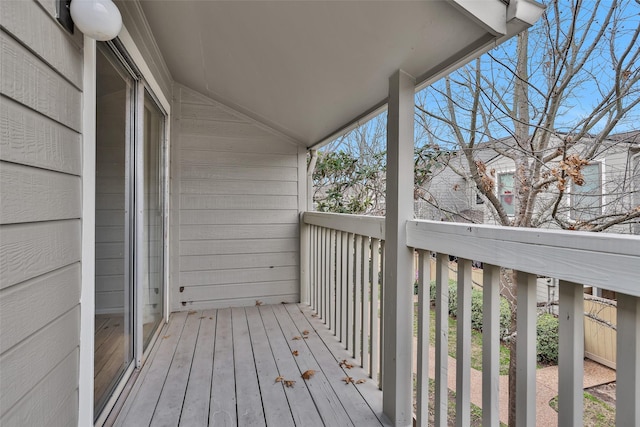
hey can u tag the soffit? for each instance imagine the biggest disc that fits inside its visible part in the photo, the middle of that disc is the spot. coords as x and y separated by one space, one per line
307 68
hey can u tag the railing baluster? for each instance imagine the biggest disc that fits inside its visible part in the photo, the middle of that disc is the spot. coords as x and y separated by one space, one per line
490 345
357 301
314 268
345 288
366 295
442 337
327 264
463 344
381 332
570 354
332 281
374 369
526 355
323 275
628 363
424 304
350 328
338 328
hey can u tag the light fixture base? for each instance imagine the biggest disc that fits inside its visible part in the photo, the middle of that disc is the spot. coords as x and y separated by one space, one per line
63 12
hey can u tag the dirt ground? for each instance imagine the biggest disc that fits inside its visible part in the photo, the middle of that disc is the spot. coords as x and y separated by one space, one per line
605 392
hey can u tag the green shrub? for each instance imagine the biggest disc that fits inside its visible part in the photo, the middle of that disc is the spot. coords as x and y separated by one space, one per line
547 331
476 307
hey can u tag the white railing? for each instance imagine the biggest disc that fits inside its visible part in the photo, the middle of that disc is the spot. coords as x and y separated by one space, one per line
344 290
346 271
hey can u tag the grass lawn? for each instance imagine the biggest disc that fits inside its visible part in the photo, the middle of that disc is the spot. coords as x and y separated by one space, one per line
475 412
596 412
476 342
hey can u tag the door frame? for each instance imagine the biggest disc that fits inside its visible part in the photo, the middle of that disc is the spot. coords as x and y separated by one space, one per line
87 299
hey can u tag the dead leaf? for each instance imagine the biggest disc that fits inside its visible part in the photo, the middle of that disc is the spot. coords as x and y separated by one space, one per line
192 312
314 315
296 338
165 337
295 352
203 317
258 302
347 380
289 383
279 378
308 374
305 337
361 380
305 332
346 364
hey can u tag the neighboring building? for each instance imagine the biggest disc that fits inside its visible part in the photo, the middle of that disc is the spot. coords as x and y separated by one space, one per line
611 185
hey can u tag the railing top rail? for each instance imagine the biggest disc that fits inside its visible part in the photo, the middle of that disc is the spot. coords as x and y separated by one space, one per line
610 261
372 226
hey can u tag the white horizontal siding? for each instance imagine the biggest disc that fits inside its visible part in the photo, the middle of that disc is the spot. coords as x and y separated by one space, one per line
40 215
31 139
29 194
237 221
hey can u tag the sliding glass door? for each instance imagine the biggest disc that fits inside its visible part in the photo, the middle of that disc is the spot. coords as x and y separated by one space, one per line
130 226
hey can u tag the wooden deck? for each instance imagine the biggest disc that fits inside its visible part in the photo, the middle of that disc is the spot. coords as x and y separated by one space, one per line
221 367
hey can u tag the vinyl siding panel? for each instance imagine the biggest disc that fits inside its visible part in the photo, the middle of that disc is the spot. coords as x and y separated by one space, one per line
237 216
40 215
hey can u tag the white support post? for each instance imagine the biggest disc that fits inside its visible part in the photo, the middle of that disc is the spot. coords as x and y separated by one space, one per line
305 203
490 346
422 395
442 341
397 292
628 363
570 354
463 345
526 350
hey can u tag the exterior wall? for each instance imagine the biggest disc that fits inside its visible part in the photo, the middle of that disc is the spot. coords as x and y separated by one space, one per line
234 208
40 216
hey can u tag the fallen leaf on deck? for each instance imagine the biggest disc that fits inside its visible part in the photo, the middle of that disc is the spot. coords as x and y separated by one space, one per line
258 302
279 378
165 337
305 337
308 374
360 381
294 352
314 315
192 312
203 317
305 332
346 364
296 338
347 380
289 383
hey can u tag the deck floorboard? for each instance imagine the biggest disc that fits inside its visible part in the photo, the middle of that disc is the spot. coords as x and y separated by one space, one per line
219 367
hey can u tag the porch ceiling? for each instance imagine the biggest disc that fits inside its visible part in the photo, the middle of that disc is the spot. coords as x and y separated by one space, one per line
308 68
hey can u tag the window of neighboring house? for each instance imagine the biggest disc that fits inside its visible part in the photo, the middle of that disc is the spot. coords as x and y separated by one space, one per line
505 192
586 199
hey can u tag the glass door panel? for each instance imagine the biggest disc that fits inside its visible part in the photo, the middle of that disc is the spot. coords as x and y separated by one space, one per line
113 291
153 223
